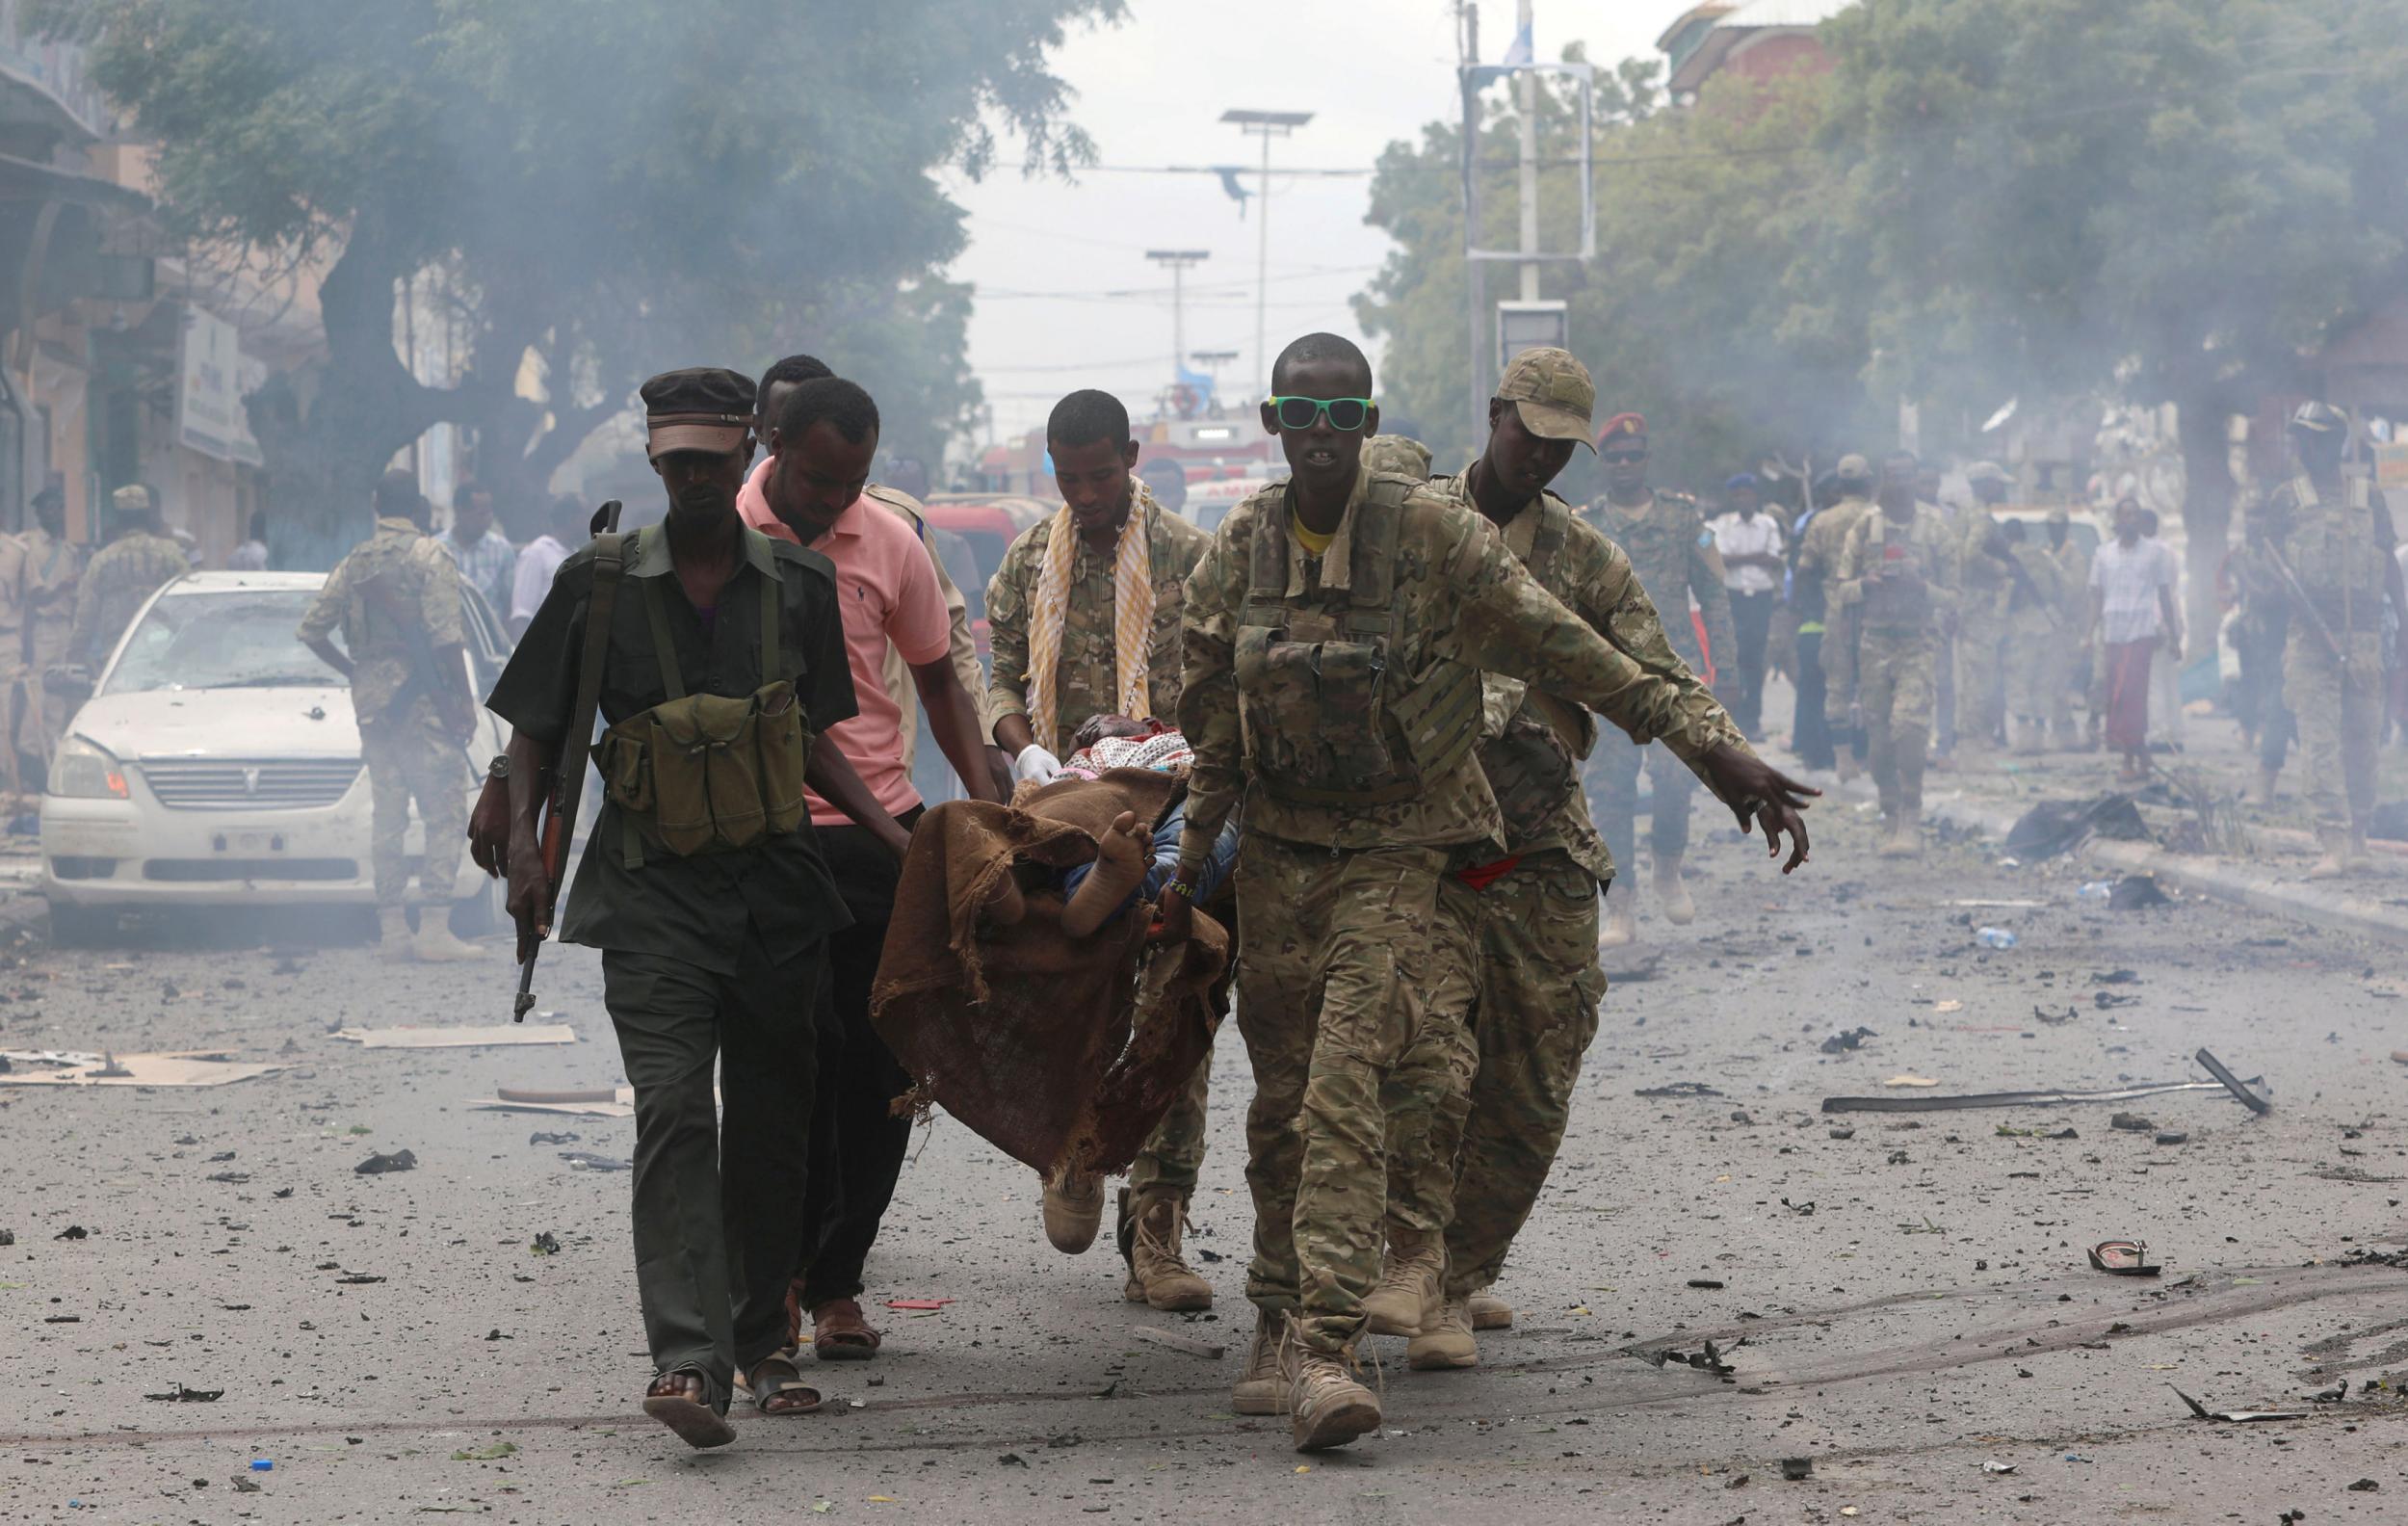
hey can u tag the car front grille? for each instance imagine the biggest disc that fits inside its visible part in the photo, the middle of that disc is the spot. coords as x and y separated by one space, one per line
249 783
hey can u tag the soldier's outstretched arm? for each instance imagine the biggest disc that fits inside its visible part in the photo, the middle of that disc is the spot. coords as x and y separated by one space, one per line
1513 626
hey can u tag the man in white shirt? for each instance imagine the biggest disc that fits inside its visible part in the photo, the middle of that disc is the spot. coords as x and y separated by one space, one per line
2134 611
1750 540
532 577
484 554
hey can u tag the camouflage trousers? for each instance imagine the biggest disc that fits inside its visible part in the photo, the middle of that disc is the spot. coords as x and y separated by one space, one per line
407 762
1535 1011
1894 688
2341 723
1982 679
2035 675
1174 1152
1354 978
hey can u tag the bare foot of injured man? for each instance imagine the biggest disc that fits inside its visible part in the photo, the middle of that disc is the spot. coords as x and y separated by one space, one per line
1120 856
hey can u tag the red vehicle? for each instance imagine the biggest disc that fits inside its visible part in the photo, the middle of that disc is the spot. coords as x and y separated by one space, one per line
971 531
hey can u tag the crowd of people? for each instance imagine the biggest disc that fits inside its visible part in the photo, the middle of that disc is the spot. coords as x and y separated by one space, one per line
1376 692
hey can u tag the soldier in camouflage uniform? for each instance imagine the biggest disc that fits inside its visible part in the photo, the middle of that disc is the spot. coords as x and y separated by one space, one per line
1982 611
397 598
1818 571
2035 612
1898 577
2332 541
1534 1009
135 565
1674 554
1093 457
2072 658
1336 633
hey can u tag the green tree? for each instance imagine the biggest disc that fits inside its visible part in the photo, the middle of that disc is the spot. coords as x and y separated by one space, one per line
2169 200
604 190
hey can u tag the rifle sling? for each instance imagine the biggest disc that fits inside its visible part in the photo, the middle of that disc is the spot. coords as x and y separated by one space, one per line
609 563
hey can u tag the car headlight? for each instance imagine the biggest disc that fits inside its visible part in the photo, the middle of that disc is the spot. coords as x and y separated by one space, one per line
80 769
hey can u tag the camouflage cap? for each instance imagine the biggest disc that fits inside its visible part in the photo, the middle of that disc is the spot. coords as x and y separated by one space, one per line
133 499
1551 392
1398 455
1987 471
1853 464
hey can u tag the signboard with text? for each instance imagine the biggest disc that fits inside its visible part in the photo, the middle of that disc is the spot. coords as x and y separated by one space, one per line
212 377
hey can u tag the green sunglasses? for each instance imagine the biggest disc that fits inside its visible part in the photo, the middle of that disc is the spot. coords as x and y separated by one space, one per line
1345 414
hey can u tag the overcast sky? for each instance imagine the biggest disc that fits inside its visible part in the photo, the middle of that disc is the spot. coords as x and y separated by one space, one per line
1151 92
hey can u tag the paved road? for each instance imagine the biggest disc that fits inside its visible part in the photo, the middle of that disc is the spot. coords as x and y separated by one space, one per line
1932 1312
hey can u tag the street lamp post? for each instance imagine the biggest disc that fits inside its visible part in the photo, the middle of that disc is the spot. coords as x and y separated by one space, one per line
1178 260
1267 124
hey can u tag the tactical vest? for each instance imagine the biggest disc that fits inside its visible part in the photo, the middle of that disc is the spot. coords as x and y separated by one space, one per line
706 774
2332 551
1886 605
1327 723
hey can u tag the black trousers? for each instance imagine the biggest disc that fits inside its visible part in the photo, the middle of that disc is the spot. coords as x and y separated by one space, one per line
716 1239
857 1146
1810 734
1751 621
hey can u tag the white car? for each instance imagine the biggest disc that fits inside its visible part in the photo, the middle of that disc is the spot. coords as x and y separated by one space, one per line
217 763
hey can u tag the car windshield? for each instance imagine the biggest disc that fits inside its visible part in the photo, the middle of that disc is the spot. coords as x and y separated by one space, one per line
241 638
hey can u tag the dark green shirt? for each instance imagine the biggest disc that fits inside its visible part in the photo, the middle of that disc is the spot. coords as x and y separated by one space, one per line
699 908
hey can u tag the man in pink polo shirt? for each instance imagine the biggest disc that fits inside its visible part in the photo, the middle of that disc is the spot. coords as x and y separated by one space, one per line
811 491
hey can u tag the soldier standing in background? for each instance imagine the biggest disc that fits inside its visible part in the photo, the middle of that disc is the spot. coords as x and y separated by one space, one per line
136 564
2035 610
54 565
2332 542
1673 553
1084 619
2071 674
1898 576
397 598
1817 575
1983 607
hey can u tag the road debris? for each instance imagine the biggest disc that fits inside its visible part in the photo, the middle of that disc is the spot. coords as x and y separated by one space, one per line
586 1160
1908 1080
379 1164
199 1068
180 1394
546 1243
597 1102
2249 1097
486 1454
1842 1042
1187 1344
2057 826
2172 1137
2122 1259
72 1233
1795 1468
1998 1099
2136 893
475 1036
2131 1122
1678 1089
1996 1467
2236 1416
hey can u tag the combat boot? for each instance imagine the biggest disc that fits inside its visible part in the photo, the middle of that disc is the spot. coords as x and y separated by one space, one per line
2336 860
1268 1371
393 934
2356 857
2263 794
1905 839
1157 1276
1326 1406
434 943
1446 1341
1489 1312
1678 909
1408 1295
1844 759
1621 922
1074 1210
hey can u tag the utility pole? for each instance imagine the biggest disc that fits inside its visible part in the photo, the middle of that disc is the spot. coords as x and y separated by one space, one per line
1265 124
1178 261
1530 155
1476 274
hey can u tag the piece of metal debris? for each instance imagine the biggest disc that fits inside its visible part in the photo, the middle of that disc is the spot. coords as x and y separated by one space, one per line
2236 1416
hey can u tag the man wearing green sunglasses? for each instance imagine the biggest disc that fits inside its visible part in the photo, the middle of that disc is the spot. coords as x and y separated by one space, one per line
1336 633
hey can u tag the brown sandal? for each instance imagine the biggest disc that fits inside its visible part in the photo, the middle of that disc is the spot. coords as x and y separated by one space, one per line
696 1423
840 1333
774 1377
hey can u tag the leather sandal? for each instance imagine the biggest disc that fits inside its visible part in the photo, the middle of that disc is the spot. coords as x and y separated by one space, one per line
775 1376
840 1333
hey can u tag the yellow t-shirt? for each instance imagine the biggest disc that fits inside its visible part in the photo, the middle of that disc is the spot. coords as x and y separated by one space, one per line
1316 543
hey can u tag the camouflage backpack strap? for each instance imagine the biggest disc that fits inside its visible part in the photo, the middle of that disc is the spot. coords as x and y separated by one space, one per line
1554 527
1266 566
1378 523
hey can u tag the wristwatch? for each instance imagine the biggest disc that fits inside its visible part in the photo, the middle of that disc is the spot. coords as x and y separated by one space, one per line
499 768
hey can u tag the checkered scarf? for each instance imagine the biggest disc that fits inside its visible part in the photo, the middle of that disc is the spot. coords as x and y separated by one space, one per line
1133 617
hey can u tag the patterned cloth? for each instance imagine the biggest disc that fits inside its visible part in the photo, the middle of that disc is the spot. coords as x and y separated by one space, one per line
1088 673
420 584
1133 617
126 571
1164 751
486 566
